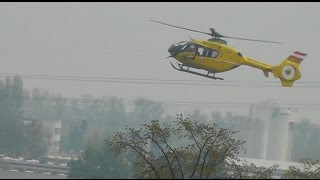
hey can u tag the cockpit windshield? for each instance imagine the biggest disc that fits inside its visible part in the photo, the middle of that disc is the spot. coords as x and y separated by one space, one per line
180 43
178 47
184 47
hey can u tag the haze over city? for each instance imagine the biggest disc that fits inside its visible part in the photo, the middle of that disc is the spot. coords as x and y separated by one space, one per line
113 49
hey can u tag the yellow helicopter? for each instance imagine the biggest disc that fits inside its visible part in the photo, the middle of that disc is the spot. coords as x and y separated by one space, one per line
215 56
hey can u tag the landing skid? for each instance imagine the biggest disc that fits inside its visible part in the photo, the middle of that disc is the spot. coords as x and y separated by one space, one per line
192 72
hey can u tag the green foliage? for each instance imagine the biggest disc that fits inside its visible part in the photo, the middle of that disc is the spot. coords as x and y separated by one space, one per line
78 132
145 109
16 139
36 140
11 127
187 149
309 169
60 105
241 169
98 161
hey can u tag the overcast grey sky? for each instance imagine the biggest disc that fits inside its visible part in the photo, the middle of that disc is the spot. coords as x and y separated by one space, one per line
117 40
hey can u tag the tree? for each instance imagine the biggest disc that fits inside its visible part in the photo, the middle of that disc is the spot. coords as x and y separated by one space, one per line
98 161
145 109
11 132
11 94
217 118
75 109
308 169
305 140
36 140
241 169
60 105
37 98
78 133
197 116
187 149
115 109
16 93
87 106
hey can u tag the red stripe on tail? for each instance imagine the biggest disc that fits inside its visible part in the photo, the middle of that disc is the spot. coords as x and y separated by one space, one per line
294 59
300 53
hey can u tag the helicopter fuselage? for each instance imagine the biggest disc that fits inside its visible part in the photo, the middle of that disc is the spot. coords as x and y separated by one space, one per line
211 56
215 56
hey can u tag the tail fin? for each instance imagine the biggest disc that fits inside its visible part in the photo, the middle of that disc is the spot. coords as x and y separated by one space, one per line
288 71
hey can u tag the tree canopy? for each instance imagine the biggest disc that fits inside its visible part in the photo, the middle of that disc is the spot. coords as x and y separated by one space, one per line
98 161
185 149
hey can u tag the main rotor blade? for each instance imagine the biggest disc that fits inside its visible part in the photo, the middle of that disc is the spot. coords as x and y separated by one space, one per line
251 39
215 34
181 27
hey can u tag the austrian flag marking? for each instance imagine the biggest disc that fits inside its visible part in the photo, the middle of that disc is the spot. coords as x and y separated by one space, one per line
299 54
297 57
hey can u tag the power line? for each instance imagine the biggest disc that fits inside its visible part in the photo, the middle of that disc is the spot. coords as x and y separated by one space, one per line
311 84
104 78
231 124
185 103
131 81
239 105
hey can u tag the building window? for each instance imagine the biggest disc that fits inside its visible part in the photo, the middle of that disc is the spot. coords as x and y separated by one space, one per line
57 130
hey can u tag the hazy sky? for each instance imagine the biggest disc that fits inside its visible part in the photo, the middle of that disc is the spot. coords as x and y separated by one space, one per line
117 40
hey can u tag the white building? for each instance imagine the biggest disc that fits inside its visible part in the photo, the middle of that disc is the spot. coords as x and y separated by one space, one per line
55 129
273 131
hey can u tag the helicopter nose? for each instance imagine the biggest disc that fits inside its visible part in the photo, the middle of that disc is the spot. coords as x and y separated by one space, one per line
173 50
170 50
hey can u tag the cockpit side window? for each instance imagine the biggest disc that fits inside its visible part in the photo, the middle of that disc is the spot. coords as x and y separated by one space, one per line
214 53
190 48
200 51
207 52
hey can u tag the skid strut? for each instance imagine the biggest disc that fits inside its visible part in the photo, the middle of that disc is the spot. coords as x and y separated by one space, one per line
192 72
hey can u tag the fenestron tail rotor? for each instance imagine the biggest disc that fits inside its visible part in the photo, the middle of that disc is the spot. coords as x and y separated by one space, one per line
215 34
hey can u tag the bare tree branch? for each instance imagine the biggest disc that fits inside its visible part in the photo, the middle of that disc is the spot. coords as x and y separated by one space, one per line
175 157
195 140
165 155
206 154
149 163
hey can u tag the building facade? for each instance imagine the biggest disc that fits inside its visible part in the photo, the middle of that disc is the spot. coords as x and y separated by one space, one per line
271 131
54 127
